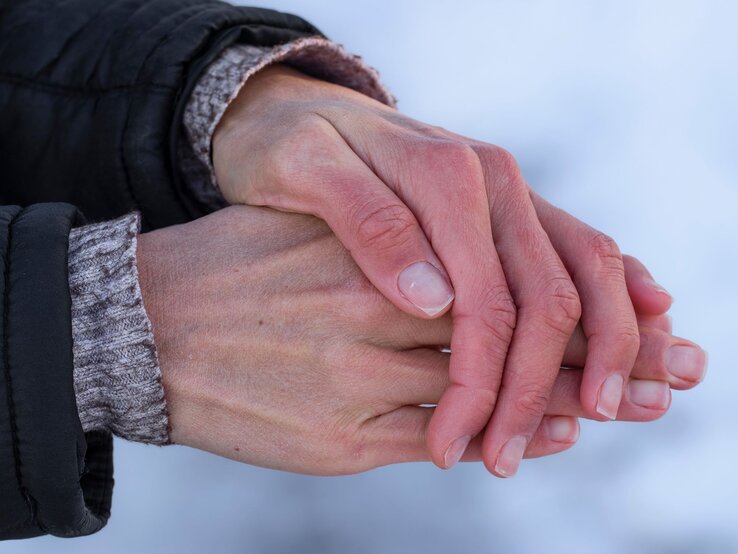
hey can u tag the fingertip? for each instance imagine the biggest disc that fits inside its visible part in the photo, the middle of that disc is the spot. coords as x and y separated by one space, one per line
555 434
457 418
686 362
610 396
455 451
650 394
437 450
648 296
662 322
510 456
446 442
590 398
562 429
426 287
659 300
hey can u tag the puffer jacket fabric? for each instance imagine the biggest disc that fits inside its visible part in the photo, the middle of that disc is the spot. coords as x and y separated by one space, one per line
52 480
91 100
92 94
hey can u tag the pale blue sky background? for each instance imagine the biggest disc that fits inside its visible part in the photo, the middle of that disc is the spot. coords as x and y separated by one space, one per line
624 113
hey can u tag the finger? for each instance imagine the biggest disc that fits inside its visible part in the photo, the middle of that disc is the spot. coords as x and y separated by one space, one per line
648 300
400 436
648 297
661 357
608 318
402 332
643 400
548 311
661 322
555 434
422 378
410 377
458 225
382 234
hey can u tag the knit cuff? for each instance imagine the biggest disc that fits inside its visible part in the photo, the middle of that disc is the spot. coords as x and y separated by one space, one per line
227 75
117 379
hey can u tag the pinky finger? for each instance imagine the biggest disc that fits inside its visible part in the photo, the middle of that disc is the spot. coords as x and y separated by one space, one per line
555 434
399 436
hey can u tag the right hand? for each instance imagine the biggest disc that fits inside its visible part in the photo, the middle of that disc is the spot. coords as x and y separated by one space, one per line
275 350
438 221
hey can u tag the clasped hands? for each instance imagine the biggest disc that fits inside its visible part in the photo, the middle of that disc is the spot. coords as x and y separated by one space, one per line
322 346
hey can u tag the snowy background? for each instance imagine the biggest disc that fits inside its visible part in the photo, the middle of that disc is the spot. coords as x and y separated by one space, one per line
625 113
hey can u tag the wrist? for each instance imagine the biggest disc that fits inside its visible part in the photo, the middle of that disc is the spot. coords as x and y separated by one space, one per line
163 277
240 128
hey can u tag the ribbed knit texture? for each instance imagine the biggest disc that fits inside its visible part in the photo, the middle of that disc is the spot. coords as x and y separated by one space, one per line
117 379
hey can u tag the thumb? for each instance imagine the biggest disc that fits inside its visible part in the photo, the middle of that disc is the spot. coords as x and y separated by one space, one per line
386 241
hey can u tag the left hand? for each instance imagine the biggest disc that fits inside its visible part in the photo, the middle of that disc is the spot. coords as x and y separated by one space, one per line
275 350
418 208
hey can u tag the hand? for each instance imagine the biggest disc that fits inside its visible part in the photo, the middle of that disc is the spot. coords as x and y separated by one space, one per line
275 350
418 207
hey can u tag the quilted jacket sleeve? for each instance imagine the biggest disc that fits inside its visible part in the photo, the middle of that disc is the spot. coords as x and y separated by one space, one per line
53 478
92 95
91 101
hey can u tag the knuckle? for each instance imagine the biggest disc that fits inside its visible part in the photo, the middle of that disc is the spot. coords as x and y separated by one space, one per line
494 318
382 226
367 305
504 168
456 153
463 163
605 249
303 147
651 346
335 355
629 338
562 307
357 301
532 400
337 358
502 159
498 311
347 444
624 336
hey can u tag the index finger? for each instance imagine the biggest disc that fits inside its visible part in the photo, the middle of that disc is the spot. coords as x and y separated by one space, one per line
459 228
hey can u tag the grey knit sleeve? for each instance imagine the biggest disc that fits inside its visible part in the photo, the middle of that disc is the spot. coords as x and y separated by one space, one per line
225 77
117 379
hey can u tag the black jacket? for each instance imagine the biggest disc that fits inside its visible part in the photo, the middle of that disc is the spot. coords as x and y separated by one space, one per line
92 94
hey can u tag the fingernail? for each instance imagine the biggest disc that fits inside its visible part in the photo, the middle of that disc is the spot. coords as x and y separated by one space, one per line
562 429
508 460
658 288
649 394
455 451
426 287
610 395
686 362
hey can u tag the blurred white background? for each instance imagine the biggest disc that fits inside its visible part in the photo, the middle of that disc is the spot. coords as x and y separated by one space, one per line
625 113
